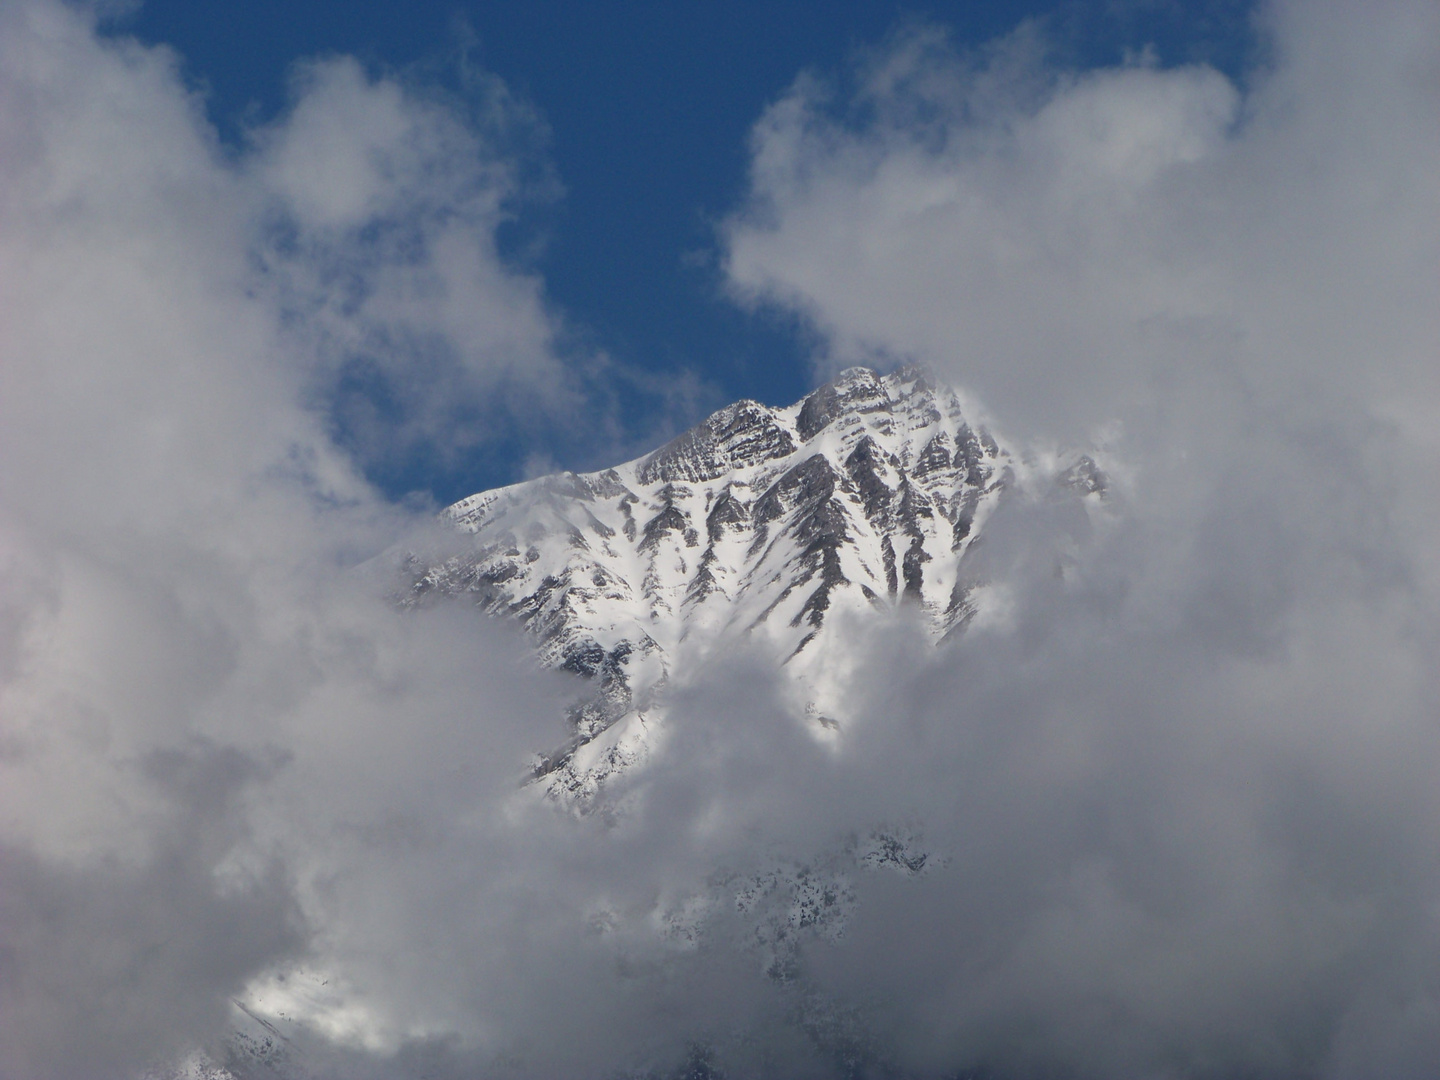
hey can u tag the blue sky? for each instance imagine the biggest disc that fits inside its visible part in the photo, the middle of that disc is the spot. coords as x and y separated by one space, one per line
645 112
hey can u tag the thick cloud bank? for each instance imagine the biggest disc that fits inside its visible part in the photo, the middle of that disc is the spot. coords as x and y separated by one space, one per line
181 636
1176 799
1200 828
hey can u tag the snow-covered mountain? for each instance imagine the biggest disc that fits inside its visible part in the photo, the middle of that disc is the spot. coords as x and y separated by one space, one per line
759 521
783 526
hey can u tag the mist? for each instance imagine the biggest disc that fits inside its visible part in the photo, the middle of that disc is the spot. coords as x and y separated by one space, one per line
1170 811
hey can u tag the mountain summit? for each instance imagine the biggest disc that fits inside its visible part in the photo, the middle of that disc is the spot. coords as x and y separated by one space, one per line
758 521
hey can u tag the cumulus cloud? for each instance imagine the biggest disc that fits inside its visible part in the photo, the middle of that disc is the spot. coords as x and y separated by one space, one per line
1173 816
178 528
381 204
1069 244
1207 734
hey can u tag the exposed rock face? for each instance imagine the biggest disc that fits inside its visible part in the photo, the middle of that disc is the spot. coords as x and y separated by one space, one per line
867 493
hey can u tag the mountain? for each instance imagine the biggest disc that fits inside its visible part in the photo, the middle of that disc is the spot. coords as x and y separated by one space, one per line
762 521
783 526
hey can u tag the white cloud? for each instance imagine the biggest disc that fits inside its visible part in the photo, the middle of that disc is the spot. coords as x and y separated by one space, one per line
1059 247
180 630
381 207
1236 287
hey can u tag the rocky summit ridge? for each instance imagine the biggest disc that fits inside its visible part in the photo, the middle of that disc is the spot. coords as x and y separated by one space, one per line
759 521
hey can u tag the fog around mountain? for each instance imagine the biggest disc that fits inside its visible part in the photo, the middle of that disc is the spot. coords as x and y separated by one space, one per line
1168 810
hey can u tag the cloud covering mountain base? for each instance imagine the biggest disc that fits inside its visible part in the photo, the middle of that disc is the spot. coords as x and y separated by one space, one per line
1178 806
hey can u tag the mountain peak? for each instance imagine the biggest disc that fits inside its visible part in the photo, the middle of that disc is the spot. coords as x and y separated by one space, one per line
758 521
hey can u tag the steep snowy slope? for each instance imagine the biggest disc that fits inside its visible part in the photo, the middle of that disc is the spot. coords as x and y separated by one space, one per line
758 521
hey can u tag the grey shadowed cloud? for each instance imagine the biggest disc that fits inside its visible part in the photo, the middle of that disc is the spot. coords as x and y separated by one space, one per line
1176 798
1205 746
